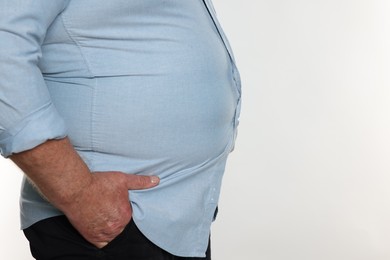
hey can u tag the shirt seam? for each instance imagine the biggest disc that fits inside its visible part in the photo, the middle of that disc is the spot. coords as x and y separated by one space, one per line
77 44
211 11
91 75
93 117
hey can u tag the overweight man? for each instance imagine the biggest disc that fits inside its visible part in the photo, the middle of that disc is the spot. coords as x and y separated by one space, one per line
121 115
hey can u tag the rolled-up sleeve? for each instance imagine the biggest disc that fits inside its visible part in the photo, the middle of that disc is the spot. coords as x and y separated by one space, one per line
27 115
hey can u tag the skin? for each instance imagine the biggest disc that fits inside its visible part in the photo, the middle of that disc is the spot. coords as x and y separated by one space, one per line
96 204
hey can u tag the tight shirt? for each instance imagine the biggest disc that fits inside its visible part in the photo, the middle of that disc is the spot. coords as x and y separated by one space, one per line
144 87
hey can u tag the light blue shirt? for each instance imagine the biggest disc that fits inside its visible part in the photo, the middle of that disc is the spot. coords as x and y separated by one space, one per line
141 86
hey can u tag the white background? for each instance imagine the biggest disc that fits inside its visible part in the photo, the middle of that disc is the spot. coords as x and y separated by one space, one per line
310 176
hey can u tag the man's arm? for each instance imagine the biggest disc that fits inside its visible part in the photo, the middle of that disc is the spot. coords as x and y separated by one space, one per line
96 204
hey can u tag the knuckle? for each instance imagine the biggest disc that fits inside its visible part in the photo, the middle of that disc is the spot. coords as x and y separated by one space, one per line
143 181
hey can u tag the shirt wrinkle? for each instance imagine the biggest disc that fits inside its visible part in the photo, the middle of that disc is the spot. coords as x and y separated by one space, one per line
138 88
76 43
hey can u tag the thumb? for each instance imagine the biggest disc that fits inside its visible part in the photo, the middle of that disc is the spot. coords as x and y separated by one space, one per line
139 182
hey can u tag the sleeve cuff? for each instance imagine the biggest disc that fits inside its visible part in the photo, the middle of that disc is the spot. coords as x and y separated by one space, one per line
38 127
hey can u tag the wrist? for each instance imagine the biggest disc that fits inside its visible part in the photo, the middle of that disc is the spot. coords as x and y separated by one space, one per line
57 171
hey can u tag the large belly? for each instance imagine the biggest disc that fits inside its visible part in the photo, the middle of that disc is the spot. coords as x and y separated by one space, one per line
169 118
162 90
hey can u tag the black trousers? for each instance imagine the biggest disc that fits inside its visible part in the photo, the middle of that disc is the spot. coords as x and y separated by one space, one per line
56 239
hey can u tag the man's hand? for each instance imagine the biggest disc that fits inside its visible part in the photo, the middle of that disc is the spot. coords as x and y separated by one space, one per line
102 210
96 204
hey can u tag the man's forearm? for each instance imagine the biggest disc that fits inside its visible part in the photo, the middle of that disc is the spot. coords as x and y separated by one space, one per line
96 204
56 170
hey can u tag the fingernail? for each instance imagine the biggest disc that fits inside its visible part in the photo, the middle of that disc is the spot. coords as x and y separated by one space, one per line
154 179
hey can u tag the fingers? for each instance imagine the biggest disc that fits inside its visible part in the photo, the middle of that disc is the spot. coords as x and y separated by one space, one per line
131 181
100 245
139 182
